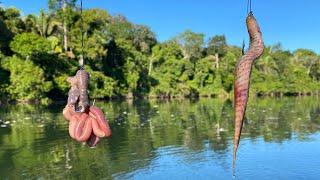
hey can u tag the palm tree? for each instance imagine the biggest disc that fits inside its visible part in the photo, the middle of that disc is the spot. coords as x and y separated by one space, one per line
45 25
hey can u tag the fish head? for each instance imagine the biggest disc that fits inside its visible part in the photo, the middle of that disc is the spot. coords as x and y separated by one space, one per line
252 25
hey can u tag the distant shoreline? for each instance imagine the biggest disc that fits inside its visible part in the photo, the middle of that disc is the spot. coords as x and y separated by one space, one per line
123 99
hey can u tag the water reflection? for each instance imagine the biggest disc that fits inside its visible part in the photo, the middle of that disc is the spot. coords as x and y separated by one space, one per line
150 138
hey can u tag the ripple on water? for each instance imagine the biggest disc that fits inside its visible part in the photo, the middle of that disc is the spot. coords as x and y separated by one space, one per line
184 141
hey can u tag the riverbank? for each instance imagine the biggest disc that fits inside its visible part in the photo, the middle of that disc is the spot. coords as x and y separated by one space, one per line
161 98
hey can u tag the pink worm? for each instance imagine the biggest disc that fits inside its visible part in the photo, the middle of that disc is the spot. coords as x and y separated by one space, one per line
242 78
89 126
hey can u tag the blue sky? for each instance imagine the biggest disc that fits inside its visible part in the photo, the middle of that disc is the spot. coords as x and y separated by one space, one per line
293 23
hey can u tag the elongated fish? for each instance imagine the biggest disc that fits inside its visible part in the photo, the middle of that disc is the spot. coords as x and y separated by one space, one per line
242 78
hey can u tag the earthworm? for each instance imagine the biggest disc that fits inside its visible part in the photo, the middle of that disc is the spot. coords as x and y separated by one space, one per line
66 114
72 124
83 128
89 126
102 123
242 78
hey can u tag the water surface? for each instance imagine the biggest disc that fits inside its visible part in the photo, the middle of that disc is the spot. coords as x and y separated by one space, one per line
166 140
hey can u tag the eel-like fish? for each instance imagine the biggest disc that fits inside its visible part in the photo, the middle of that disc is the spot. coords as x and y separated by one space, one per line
78 93
83 87
242 78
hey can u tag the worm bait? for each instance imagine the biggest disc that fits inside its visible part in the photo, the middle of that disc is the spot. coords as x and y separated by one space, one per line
87 127
242 77
86 123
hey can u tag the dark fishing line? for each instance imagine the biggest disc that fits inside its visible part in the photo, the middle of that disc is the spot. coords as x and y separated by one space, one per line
82 62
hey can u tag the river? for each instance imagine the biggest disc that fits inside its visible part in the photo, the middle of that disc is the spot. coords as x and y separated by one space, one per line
178 139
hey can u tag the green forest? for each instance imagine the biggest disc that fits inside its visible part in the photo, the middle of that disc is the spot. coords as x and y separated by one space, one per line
125 60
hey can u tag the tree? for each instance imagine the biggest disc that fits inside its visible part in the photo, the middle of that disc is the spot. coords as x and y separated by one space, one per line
192 45
12 19
217 46
5 37
27 44
120 27
125 59
96 37
44 24
144 38
64 10
27 81
307 58
315 70
171 73
4 80
204 77
100 86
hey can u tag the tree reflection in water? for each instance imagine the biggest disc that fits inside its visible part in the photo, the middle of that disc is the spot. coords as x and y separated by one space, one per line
35 141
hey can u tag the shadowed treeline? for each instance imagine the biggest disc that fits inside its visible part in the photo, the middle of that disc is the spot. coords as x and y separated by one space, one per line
35 143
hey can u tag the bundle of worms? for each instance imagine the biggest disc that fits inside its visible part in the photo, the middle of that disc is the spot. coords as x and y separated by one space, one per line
242 78
86 123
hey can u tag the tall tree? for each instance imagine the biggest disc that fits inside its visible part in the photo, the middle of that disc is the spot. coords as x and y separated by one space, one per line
307 57
144 38
96 37
217 46
192 45
120 27
64 9
12 18
44 24
5 34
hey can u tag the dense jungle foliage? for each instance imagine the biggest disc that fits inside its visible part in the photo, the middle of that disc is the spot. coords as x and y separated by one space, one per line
38 52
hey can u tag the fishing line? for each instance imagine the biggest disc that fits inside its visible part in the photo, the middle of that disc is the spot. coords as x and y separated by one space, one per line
249 7
81 61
